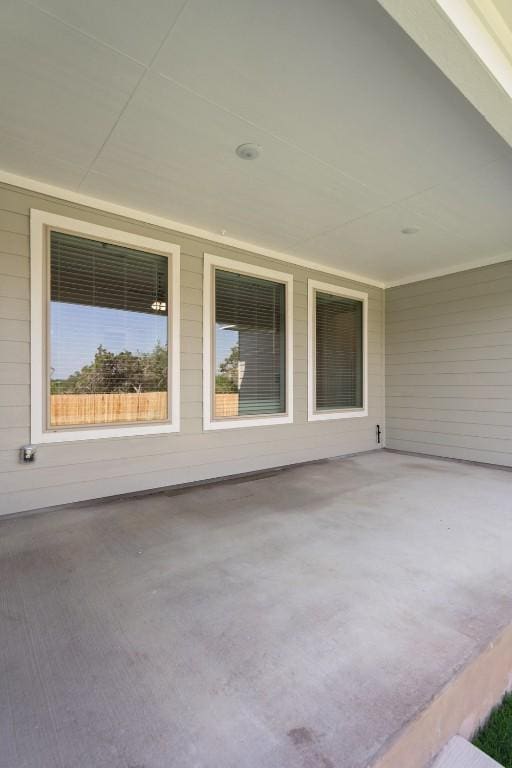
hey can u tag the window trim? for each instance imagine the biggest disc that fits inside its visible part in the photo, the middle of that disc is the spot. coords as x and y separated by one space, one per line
211 262
40 223
336 290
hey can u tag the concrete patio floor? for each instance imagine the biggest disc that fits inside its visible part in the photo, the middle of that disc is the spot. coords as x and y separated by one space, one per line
299 619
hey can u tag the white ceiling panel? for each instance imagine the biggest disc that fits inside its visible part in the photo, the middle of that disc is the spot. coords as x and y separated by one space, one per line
60 91
143 104
376 244
174 152
20 157
134 27
339 79
476 208
458 222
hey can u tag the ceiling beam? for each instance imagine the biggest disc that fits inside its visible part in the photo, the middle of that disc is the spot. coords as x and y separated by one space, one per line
448 41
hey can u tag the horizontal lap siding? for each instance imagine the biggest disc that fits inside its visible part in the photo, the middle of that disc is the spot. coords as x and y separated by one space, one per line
449 365
86 470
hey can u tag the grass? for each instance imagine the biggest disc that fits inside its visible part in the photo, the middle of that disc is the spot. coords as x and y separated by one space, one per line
495 737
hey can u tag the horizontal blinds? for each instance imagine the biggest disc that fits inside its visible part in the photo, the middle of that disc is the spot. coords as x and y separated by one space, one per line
339 353
108 332
98 274
250 345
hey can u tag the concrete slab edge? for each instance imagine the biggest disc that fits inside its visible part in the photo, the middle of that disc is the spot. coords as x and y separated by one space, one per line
458 709
460 753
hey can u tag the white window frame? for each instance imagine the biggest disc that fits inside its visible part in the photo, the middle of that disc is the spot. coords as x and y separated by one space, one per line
211 262
40 221
336 290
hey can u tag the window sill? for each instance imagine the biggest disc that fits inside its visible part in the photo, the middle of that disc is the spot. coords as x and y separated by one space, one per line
72 435
328 415
264 421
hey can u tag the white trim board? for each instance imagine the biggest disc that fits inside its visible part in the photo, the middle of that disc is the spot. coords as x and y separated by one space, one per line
61 193
211 261
434 32
466 20
39 220
313 415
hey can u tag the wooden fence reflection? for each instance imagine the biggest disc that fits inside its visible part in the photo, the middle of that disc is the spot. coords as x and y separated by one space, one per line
73 410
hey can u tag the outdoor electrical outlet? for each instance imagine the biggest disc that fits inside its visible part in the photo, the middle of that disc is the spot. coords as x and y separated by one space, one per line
28 454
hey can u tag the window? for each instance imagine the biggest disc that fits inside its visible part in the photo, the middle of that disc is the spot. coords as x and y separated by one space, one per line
337 328
247 345
104 331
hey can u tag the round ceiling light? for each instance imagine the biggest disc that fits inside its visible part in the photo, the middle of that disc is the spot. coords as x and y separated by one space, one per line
410 230
248 151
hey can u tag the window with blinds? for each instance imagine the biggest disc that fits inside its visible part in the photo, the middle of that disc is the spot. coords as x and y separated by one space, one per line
108 333
338 352
249 344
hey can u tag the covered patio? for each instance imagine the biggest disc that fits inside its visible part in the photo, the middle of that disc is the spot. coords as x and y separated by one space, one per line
255 382
305 617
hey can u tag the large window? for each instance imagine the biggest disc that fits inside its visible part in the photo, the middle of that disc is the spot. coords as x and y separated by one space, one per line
337 352
108 331
247 345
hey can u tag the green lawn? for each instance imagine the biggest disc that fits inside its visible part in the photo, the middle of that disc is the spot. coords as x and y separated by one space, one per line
495 737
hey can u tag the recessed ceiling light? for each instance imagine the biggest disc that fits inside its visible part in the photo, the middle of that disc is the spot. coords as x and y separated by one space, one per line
248 151
410 230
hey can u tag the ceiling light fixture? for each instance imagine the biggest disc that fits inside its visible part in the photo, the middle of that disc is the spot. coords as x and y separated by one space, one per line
248 151
410 230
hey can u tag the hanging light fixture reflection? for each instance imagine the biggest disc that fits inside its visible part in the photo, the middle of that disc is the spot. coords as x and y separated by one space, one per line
159 306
